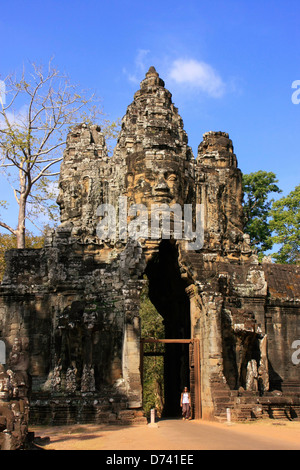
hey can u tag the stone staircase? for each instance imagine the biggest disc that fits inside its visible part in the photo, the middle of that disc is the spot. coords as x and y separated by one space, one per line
247 405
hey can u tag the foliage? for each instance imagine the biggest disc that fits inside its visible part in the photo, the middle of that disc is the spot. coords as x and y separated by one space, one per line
257 188
285 225
153 373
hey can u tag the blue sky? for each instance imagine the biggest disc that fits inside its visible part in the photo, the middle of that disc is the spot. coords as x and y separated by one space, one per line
229 64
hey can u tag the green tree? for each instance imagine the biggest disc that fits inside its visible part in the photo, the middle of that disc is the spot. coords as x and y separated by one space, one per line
35 117
258 187
285 225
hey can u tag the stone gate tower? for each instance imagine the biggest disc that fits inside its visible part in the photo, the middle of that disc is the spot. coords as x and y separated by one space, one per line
73 306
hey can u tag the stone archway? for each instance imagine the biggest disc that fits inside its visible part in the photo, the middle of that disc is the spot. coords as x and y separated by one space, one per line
167 292
194 370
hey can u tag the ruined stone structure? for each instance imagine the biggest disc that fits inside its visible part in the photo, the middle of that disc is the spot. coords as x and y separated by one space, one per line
14 405
73 306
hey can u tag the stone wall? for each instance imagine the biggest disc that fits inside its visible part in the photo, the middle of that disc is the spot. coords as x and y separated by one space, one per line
73 326
14 404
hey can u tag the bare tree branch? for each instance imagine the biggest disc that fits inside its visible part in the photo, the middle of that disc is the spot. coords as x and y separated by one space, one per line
43 171
32 139
7 227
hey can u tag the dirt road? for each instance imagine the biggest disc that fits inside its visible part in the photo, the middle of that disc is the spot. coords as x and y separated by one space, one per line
175 435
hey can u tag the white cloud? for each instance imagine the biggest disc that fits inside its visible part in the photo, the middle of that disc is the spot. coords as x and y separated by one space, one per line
140 59
131 78
15 118
140 67
198 75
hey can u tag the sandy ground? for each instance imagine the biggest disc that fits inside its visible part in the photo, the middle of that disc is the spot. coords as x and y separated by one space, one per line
175 435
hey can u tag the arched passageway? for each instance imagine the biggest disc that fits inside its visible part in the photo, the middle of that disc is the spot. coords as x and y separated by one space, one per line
168 295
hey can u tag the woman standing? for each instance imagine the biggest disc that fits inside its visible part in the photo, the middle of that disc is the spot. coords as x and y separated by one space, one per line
185 403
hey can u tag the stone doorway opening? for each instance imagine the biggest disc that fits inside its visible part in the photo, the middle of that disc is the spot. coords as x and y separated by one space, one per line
192 377
167 292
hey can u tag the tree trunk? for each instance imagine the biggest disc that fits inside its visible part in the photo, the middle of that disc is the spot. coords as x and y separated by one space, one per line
20 232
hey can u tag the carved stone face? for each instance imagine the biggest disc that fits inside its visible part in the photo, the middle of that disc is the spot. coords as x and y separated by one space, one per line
72 196
153 181
69 199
